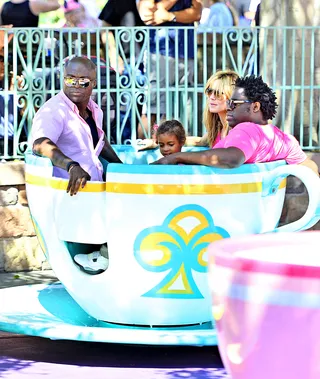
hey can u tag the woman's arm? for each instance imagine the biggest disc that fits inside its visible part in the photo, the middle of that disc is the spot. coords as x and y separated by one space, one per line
197 141
115 62
160 15
2 34
147 144
312 165
191 14
168 4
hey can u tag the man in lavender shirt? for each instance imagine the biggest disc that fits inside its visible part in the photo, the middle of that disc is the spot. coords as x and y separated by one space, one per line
251 139
68 128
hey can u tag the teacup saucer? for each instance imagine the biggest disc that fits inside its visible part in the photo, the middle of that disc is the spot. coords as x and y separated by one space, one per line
49 311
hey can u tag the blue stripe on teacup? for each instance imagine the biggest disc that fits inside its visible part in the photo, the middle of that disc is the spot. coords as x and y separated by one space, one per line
258 295
34 160
193 169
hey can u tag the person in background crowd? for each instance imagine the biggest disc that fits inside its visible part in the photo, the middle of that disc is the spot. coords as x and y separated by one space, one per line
242 8
122 13
92 8
25 13
218 14
168 14
76 15
7 118
255 12
2 37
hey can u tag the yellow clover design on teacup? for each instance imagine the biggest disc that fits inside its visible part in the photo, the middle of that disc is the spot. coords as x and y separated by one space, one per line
178 246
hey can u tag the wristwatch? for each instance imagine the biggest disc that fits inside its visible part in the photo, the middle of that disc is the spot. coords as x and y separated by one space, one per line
174 18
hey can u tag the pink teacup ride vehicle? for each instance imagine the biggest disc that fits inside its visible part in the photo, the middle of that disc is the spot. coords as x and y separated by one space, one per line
266 304
157 222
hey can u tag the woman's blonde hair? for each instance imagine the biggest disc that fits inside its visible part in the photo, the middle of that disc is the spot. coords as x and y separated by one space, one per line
223 83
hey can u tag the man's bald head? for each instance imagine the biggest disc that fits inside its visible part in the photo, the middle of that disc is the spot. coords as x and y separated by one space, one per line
81 60
77 69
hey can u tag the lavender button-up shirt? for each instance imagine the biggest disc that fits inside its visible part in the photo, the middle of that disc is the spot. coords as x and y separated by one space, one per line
59 120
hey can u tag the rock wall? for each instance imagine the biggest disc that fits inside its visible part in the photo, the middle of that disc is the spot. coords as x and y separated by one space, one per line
19 247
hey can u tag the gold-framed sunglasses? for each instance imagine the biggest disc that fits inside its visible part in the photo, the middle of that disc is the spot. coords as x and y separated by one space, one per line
217 94
73 82
232 104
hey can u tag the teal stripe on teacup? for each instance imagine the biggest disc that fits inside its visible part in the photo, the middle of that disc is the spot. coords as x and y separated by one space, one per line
192 169
34 160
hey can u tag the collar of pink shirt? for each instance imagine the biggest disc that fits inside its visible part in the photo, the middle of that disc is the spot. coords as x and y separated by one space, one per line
94 168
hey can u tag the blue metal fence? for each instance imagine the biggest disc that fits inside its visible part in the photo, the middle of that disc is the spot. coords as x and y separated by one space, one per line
286 57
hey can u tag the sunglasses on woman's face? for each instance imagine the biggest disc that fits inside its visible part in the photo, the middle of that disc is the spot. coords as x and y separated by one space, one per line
217 94
73 82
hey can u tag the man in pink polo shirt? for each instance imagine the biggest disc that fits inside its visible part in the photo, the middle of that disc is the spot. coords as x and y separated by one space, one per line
251 139
68 128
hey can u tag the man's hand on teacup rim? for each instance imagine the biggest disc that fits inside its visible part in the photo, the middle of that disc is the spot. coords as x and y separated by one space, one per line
169 159
78 178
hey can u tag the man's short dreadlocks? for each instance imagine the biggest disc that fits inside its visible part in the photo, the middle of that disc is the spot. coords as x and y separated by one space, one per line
255 89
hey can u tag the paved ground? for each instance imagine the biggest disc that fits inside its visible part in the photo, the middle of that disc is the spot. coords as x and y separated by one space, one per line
23 357
24 278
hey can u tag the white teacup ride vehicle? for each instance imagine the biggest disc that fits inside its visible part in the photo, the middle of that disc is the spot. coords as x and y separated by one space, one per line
157 222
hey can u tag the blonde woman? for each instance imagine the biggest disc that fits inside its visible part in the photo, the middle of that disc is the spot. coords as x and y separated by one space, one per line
218 90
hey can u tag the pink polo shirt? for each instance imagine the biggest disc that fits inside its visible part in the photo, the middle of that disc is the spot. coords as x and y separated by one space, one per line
263 144
59 120
217 140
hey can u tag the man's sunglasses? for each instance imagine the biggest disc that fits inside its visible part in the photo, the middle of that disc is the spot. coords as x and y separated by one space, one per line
232 104
217 94
73 82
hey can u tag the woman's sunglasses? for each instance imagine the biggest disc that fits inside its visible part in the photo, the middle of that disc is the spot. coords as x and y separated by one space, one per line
73 82
217 94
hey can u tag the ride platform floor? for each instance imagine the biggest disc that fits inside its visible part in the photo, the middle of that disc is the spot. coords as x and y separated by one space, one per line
34 357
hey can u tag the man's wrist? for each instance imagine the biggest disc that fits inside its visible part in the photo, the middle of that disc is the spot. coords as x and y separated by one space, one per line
173 17
71 164
176 157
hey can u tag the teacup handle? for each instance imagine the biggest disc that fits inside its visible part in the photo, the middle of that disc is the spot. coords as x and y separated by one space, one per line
312 183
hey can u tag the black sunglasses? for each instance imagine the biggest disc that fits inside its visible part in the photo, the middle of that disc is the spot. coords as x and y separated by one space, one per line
232 104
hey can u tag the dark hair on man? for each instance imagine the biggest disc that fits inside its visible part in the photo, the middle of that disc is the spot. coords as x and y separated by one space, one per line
256 89
172 127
